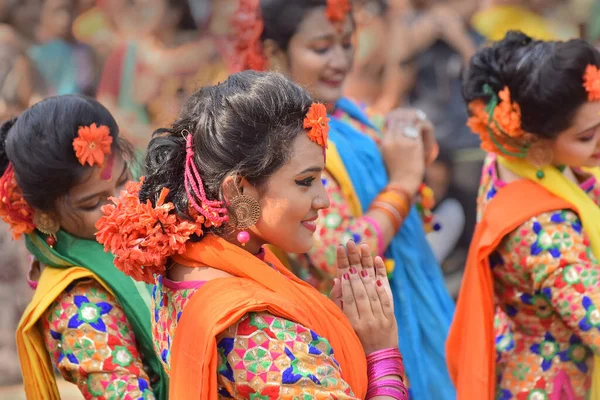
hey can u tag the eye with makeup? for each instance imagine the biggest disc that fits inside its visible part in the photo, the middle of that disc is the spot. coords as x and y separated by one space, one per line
306 182
587 136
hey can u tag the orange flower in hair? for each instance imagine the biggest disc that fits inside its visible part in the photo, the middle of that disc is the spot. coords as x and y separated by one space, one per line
92 144
14 209
317 123
508 115
591 82
141 236
337 9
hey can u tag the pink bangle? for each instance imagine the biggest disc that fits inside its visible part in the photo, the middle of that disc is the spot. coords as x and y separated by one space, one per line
394 392
379 232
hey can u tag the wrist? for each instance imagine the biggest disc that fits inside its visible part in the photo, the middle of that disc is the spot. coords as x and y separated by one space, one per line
409 186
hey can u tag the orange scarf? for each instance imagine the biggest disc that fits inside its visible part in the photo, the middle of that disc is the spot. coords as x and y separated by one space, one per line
220 303
470 345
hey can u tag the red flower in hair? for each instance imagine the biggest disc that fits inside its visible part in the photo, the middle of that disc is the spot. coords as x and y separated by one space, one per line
337 10
143 237
248 27
591 82
317 123
14 209
92 144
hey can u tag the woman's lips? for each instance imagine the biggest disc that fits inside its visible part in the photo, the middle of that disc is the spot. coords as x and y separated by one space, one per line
310 224
333 82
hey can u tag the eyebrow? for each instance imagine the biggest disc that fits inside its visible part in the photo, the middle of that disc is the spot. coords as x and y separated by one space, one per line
311 169
591 126
91 196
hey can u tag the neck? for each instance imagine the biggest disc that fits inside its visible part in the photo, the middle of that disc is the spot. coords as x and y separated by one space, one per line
253 247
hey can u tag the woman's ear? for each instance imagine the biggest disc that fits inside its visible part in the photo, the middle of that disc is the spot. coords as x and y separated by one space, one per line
234 186
276 57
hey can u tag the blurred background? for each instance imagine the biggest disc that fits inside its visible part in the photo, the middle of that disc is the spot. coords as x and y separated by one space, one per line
141 58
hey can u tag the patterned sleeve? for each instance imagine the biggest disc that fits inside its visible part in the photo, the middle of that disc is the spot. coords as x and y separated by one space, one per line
92 344
336 226
265 357
564 272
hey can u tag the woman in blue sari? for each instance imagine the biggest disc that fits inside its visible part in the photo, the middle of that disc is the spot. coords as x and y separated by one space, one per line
374 171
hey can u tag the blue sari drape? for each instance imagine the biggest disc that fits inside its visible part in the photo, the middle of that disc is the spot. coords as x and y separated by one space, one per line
423 306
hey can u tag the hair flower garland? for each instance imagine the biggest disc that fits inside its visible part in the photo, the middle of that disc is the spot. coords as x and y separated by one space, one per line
498 124
248 26
141 236
92 144
591 82
317 123
14 209
337 9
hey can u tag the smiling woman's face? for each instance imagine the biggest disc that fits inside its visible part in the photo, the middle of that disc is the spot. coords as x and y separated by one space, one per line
319 55
78 211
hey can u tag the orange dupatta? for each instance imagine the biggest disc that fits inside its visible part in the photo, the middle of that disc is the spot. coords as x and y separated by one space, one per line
222 302
470 345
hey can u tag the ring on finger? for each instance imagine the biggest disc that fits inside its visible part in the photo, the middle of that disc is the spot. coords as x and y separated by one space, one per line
421 116
410 132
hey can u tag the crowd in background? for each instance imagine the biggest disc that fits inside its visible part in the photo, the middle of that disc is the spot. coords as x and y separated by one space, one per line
141 58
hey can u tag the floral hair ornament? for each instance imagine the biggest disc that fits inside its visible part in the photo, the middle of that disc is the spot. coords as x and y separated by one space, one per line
317 123
498 124
14 209
92 144
248 25
591 82
336 10
141 236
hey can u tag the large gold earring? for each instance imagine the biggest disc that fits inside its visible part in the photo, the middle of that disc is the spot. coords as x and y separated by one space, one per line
540 154
48 224
244 213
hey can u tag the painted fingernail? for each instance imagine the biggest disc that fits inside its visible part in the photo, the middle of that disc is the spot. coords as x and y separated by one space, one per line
364 273
346 276
352 270
379 283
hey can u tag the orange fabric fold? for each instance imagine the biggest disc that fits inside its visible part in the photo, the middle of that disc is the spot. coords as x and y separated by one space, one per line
222 302
470 345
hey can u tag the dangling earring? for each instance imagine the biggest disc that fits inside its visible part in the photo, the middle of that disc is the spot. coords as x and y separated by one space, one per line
245 212
540 154
47 223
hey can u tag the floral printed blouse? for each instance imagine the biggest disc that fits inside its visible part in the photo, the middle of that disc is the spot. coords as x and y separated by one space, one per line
92 344
547 287
261 356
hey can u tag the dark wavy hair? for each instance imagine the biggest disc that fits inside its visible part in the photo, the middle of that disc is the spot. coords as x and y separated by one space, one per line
283 17
545 78
39 144
243 127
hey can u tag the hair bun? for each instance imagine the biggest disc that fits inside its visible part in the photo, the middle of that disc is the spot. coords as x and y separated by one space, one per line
495 65
4 129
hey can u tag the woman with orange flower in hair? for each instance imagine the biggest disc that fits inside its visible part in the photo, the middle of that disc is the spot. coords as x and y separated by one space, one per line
240 169
527 324
60 160
374 174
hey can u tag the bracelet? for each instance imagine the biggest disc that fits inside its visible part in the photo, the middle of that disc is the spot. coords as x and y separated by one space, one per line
377 228
397 200
392 214
396 392
381 364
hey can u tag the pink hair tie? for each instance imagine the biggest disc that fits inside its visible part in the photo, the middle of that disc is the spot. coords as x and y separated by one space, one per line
212 210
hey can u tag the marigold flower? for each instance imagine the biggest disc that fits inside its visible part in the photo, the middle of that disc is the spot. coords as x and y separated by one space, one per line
507 115
337 9
14 209
92 144
317 123
248 26
591 82
143 237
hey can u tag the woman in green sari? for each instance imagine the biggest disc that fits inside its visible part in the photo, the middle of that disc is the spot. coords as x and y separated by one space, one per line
60 161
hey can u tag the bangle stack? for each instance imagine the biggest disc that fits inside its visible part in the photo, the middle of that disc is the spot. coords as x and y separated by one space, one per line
393 202
384 364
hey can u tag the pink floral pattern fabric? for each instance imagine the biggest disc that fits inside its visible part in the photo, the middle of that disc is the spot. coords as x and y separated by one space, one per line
547 288
261 356
93 345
